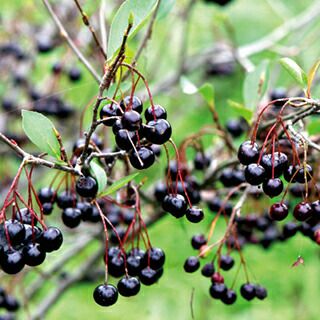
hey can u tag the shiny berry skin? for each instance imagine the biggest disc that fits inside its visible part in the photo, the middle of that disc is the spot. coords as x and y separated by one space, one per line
16 231
146 155
248 152
131 120
110 111
148 276
154 258
116 266
66 200
218 290
278 161
117 126
51 239
134 264
260 292
254 174
46 195
290 174
87 187
201 161
316 209
134 103
194 214
47 208
226 262
123 139
105 295
192 264
128 286
86 210
33 255
304 174
32 234
248 291
229 298
198 241
272 187
157 131
158 112
278 211
175 204
71 217
208 270
302 211
11 261
278 93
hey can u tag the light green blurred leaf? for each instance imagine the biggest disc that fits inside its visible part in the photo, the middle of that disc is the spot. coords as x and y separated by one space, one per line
255 85
241 110
139 11
207 92
100 175
295 71
118 184
41 132
165 7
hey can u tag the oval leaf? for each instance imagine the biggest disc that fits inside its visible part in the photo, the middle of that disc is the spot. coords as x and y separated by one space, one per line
255 85
295 71
41 132
139 10
100 175
118 184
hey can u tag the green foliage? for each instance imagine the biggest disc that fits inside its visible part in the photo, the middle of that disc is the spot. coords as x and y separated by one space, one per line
118 184
41 131
136 10
295 72
255 85
98 172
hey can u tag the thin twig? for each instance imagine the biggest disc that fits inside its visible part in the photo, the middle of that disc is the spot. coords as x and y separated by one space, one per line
65 35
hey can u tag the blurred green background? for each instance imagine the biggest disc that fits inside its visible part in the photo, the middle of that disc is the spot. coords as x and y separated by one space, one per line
293 292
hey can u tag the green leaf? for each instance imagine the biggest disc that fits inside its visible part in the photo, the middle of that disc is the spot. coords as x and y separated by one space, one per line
255 85
118 184
311 76
241 110
41 131
313 127
98 172
165 7
207 92
139 10
295 72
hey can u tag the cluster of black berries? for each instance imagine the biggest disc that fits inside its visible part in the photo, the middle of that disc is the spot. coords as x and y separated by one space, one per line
132 135
74 74
218 289
134 267
8 303
24 243
180 198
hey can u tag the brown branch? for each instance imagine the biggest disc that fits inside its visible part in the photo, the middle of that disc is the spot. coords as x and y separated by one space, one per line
87 23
